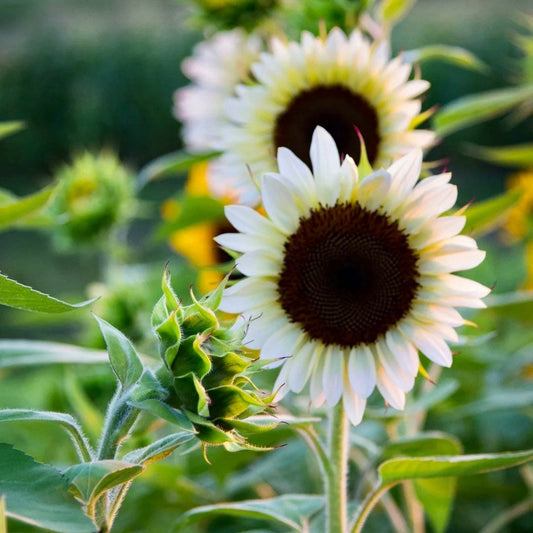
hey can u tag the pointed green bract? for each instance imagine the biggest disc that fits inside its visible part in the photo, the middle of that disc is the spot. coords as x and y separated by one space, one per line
451 54
18 210
124 360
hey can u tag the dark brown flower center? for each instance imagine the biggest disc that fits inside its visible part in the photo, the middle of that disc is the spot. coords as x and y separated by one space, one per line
339 111
348 275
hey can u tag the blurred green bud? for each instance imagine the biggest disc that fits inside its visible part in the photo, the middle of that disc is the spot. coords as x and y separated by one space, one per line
95 194
228 14
204 356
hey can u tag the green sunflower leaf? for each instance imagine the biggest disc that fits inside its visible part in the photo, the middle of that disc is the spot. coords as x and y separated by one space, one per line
22 353
401 469
482 217
124 360
518 155
172 164
289 510
164 411
10 127
472 109
38 494
451 54
18 210
15 294
516 305
67 422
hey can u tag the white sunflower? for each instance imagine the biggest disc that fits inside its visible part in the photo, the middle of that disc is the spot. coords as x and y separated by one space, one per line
340 83
215 68
348 277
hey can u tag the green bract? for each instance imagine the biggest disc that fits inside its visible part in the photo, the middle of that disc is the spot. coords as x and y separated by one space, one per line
95 193
206 371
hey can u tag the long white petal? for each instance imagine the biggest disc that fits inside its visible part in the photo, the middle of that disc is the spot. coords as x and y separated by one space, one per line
333 375
373 188
353 404
362 371
316 389
279 204
297 173
432 346
404 352
393 369
302 366
326 166
281 343
248 220
247 294
393 395
258 263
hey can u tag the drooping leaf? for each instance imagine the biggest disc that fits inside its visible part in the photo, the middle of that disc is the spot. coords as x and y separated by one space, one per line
288 510
472 109
14 294
124 360
435 494
401 469
38 494
486 215
518 155
21 353
171 164
451 54
10 127
90 480
19 209
158 449
67 422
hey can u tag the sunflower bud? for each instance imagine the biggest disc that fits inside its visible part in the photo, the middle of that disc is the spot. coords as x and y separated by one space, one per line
207 369
95 194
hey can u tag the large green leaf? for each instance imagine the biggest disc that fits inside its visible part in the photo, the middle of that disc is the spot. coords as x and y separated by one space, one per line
486 215
90 480
435 494
14 294
519 155
21 353
472 109
17 210
126 364
288 510
401 469
10 127
451 54
171 164
38 494
158 449
67 422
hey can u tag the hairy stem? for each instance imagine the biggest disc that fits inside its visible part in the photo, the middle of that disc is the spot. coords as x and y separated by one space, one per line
367 506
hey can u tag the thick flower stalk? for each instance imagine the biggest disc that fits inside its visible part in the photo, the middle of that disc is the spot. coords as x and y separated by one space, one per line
350 275
205 371
340 83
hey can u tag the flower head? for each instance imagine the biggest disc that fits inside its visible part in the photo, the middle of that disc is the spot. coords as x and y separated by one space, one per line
340 83
215 68
350 276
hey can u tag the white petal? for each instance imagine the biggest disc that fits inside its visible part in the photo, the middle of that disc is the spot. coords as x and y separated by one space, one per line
393 369
451 262
238 242
353 404
405 172
281 343
248 220
302 365
432 346
348 177
279 204
436 230
464 286
280 384
258 263
362 371
316 390
373 189
326 165
404 352
393 395
297 173
248 294
262 324
333 375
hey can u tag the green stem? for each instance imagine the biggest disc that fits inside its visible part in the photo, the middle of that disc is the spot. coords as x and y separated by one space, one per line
367 506
337 476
